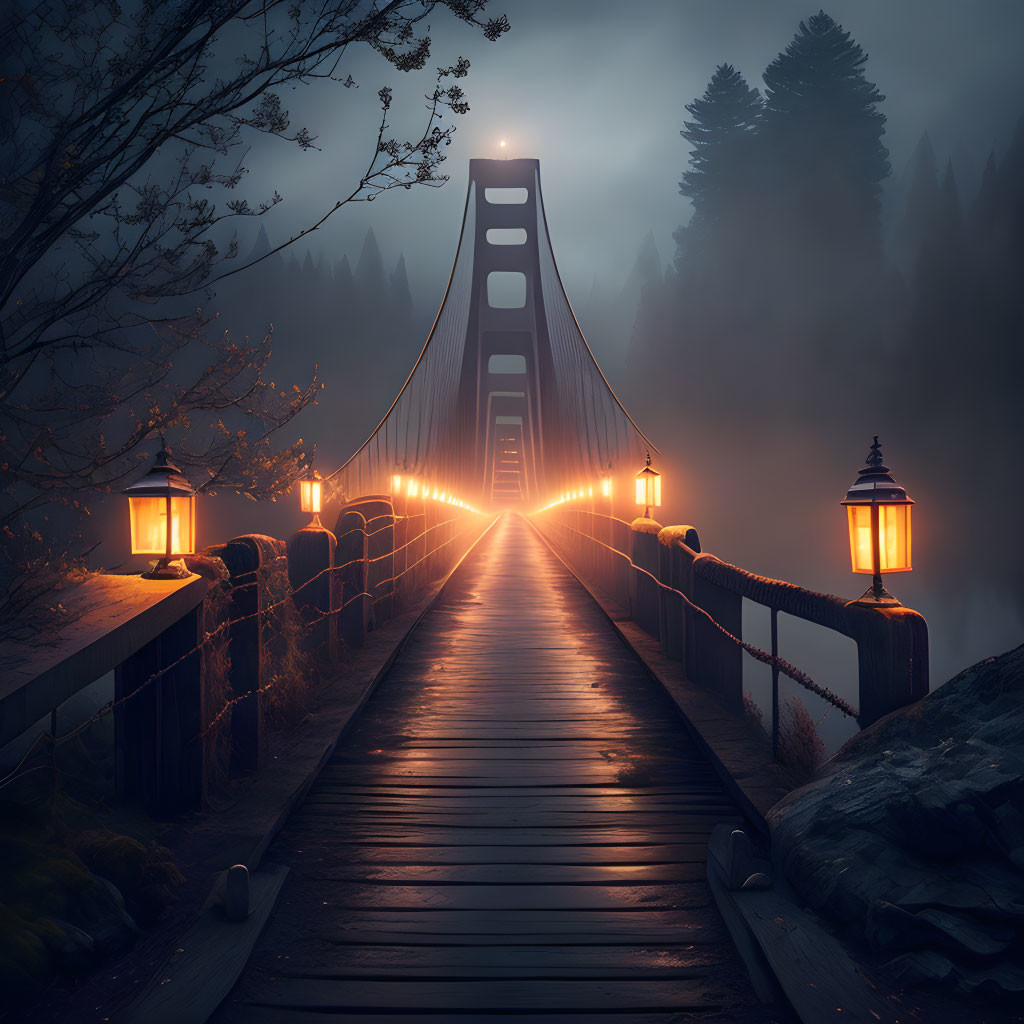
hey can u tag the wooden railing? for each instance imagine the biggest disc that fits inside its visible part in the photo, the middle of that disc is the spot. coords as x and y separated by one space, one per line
692 602
331 587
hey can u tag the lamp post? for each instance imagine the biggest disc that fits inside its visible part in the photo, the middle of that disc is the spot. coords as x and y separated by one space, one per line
878 515
162 514
648 488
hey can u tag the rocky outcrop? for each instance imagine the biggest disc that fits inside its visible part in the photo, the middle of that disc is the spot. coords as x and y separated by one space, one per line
913 834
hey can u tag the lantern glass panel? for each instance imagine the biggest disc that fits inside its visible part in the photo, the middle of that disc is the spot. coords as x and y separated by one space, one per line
309 496
641 491
894 538
657 492
860 538
149 525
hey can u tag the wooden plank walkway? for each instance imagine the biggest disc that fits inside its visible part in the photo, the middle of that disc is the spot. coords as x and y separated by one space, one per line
515 829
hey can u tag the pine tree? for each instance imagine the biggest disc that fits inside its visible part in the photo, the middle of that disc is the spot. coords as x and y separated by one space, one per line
401 297
985 212
724 119
343 280
919 211
825 133
940 283
260 247
370 278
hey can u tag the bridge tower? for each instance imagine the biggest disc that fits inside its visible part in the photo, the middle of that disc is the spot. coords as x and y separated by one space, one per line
505 403
507 368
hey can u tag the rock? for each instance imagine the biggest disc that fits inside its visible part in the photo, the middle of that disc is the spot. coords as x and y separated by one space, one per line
113 931
72 949
236 893
913 834
925 966
738 858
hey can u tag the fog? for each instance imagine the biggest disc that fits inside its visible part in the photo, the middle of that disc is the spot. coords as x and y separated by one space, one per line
760 434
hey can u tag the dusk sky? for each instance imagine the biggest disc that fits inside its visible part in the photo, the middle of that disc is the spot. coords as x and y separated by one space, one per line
596 90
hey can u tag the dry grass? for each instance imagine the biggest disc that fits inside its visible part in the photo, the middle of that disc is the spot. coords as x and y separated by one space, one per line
800 747
288 670
216 684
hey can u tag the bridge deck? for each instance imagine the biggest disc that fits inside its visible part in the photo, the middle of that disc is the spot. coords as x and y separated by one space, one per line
516 828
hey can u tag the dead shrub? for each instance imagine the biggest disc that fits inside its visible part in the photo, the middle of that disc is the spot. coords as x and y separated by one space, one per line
800 747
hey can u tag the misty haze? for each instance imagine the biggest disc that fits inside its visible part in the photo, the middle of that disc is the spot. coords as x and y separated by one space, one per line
511 514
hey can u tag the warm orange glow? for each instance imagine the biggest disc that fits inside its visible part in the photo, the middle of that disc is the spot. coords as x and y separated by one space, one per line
648 488
309 496
149 526
606 487
413 489
396 484
894 538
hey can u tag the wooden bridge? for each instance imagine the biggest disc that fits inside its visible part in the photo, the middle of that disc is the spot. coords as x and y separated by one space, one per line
516 827
518 823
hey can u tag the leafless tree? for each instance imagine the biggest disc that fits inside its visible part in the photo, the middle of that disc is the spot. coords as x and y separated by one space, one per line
121 126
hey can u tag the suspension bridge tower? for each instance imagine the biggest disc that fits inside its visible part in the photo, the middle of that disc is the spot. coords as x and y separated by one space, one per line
507 355
505 404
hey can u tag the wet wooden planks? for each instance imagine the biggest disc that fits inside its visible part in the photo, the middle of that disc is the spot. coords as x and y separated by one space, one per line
515 829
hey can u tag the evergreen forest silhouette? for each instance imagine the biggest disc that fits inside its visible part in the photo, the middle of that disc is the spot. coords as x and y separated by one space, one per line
815 298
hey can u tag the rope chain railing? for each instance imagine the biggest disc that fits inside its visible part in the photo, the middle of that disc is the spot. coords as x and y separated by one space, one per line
215 635
434 431
786 668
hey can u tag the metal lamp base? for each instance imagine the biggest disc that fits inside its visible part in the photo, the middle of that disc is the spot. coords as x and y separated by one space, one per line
168 569
876 596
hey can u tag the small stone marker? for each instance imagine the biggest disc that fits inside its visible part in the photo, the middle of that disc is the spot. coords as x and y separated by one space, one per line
236 893
739 857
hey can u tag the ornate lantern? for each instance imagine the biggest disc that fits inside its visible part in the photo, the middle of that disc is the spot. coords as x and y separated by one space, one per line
648 488
878 514
162 513
311 495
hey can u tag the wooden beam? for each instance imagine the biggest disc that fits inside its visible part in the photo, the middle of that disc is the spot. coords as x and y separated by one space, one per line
109 619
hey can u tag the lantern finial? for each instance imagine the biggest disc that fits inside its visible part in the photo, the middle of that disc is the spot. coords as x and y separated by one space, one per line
874 459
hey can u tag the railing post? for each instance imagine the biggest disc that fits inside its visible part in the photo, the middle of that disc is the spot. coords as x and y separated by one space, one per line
417 525
674 574
380 550
643 553
158 731
350 556
245 559
621 575
402 588
892 657
775 682
717 662
311 575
